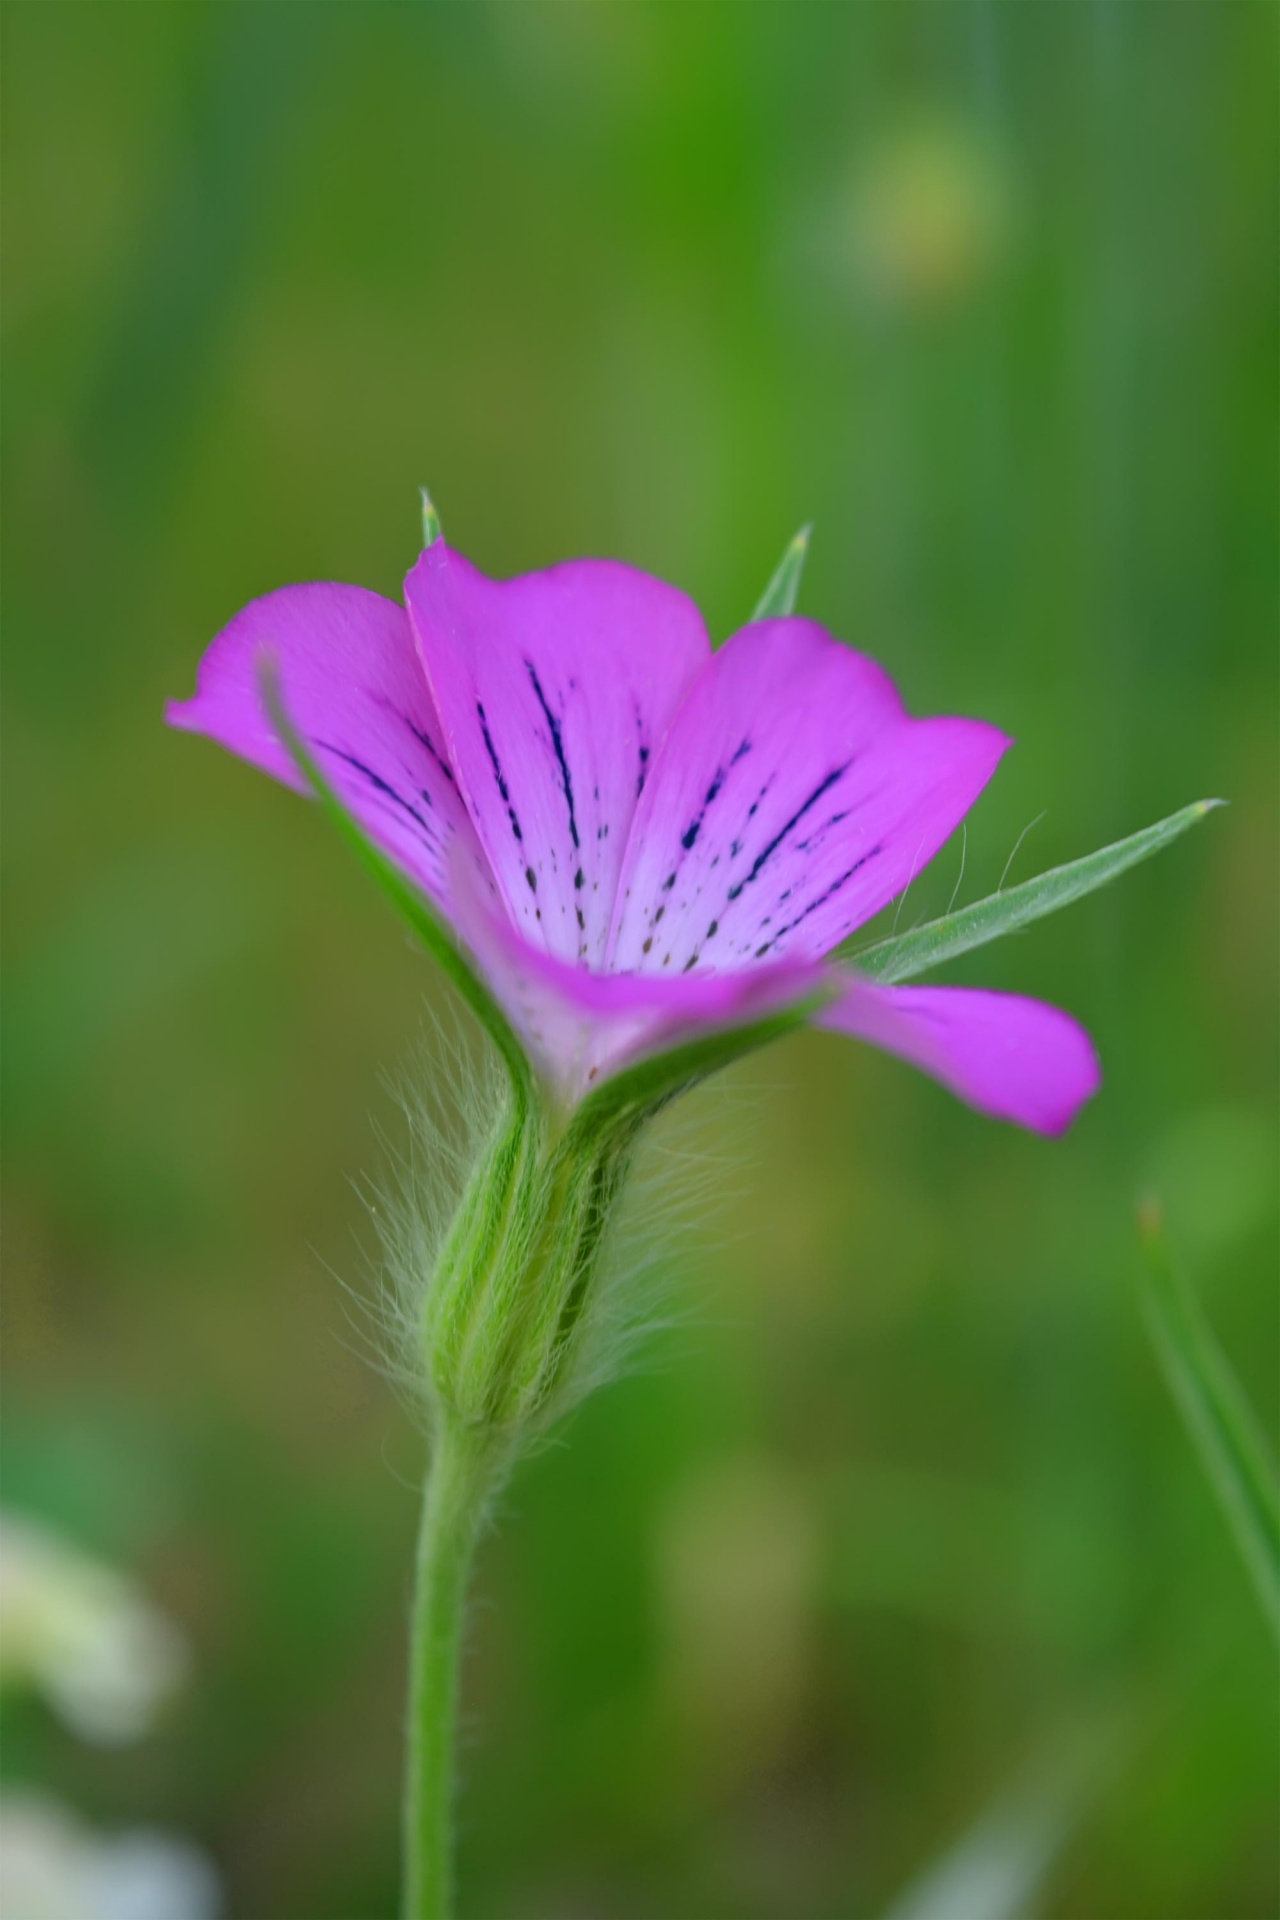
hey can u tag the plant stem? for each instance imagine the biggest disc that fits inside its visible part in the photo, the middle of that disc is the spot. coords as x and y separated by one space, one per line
461 1478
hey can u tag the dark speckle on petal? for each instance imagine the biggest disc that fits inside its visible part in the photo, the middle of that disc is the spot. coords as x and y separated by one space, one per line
557 747
772 846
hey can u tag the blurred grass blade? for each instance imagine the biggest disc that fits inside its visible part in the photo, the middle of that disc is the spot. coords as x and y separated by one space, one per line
907 954
998 1868
1223 1427
412 905
779 597
994 1871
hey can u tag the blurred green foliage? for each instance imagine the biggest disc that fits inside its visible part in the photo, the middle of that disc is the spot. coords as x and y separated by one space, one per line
987 292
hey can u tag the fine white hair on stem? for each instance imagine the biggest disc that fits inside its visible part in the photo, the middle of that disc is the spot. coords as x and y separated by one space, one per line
677 1184
902 897
682 1201
1017 843
451 1095
964 849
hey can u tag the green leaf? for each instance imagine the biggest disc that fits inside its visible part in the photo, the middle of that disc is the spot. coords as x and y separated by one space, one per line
1223 1427
779 597
907 954
431 528
412 905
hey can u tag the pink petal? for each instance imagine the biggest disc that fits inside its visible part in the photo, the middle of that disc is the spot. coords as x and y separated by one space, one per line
353 686
791 799
581 1026
1015 1058
554 689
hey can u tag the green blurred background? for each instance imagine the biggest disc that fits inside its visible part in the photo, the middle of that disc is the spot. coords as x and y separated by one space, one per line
899 1524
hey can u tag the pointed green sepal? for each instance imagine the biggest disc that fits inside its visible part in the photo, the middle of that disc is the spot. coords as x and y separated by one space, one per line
431 528
779 597
907 954
638 1091
512 1300
413 906
1223 1426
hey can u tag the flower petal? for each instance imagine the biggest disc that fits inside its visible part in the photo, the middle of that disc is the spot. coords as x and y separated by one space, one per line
1015 1058
354 688
554 689
581 1026
791 799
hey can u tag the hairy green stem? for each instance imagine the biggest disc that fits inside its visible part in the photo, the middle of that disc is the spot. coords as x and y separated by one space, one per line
463 1473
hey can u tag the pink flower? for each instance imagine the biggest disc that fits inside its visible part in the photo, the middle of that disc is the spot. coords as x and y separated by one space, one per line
635 839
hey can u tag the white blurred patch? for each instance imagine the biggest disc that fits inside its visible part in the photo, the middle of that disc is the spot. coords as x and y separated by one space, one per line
104 1658
53 1868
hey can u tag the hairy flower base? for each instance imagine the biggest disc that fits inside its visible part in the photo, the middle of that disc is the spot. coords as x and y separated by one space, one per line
508 1310
506 1307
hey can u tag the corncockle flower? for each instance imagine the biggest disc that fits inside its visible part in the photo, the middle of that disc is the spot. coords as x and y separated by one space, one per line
636 857
638 839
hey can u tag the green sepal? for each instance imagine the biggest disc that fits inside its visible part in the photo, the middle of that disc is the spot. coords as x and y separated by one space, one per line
511 1300
507 1302
779 597
431 528
907 954
640 1090
413 906
1223 1426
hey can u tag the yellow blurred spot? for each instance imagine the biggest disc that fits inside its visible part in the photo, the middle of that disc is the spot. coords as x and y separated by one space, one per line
929 215
738 1564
